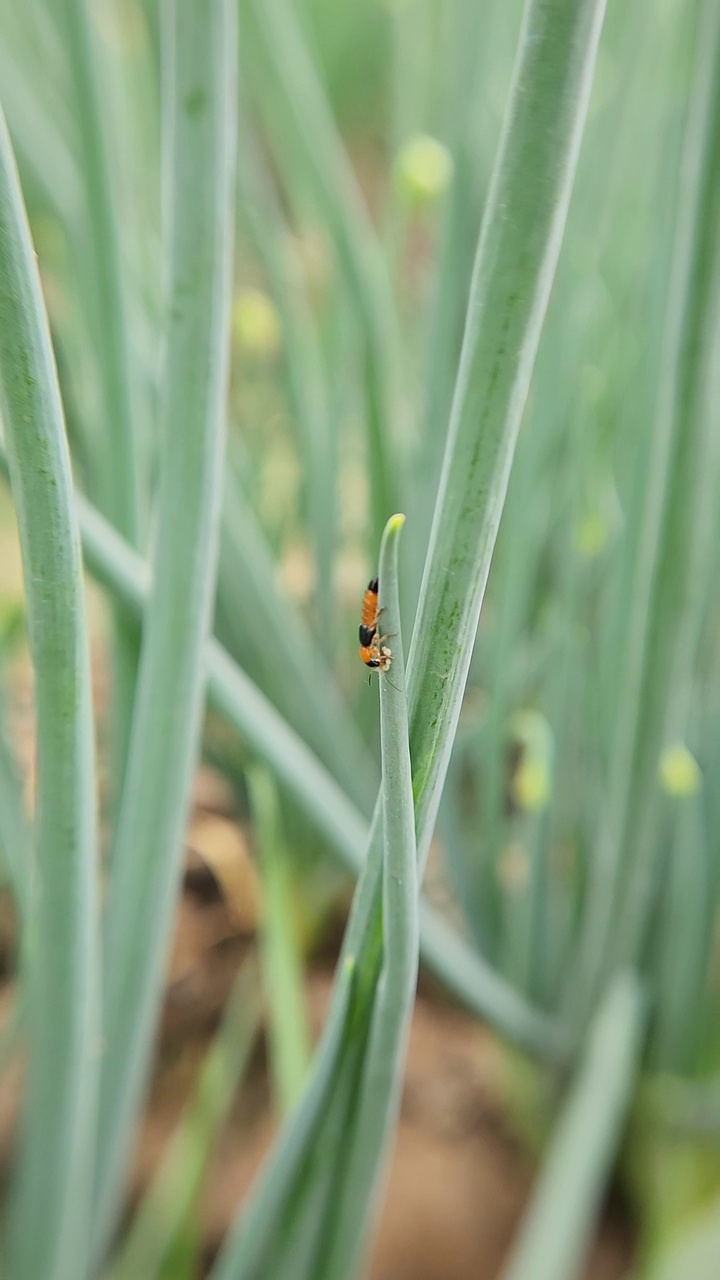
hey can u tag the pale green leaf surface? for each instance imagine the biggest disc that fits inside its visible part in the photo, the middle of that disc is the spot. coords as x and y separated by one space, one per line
116 467
199 50
376 1108
306 124
256 1233
61 961
282 961
175 1191
15 830
264 632
681 449
558 1226
320 1172
306 379
517 254
118 474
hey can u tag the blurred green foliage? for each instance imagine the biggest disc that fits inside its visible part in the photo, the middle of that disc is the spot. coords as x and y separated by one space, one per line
579 827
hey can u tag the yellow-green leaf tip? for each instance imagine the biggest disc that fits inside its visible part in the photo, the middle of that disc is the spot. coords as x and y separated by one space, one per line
679 771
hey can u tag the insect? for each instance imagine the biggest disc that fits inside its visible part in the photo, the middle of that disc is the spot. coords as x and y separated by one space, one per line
373 652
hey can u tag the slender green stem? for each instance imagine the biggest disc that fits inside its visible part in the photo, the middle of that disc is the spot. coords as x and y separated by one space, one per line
176 1188
306 381
558 1227
256 1233
261 628
53 1180
282 961
659 567
517 253
199 82
307 124
376 1108
117 468
15 832
318 1190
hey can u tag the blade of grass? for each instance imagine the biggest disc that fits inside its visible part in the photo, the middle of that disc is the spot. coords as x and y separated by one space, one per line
282 961
414 44
306 127
557 1229
465 974
307 390
117 470
455 261
691 887
175 1192
517 253
518 560
686 938
658 568
298 1247
328 1158
15 831
256 1233
258 621
53 1178
35 102
199 80
687 549
376 1108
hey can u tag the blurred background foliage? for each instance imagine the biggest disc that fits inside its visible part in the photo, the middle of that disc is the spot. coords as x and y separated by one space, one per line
568 842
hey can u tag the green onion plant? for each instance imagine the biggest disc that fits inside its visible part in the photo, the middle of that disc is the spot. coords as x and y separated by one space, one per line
269 277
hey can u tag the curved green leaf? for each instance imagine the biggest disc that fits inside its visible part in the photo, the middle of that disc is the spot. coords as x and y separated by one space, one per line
282 961
117 467
662 602
61 961
175 1192
118 474
376 1107
15 831
317 1193
307 126
520 238
199 78
558 1226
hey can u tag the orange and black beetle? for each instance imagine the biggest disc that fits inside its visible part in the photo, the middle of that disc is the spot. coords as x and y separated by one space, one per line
372 651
